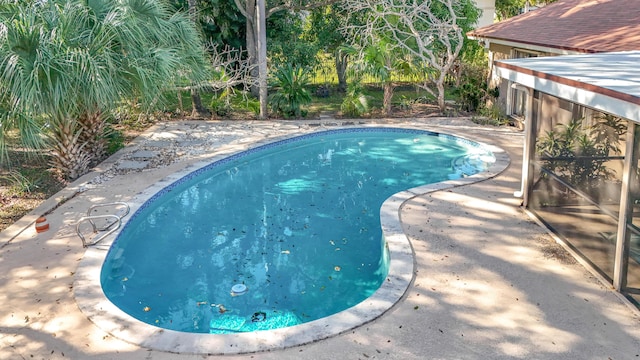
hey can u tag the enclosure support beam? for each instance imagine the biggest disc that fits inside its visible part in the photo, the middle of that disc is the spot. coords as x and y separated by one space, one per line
528 151
621 264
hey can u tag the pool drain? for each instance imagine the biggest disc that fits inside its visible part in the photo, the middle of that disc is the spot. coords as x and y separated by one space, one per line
258 316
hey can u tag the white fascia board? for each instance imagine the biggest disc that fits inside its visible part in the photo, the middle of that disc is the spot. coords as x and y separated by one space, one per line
584 97
519 45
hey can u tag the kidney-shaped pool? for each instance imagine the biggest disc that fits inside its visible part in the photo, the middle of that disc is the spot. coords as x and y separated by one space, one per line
277 236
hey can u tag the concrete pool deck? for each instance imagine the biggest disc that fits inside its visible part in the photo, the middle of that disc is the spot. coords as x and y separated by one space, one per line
489 282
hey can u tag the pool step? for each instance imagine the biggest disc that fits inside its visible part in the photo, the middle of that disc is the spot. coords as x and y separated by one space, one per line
261 320
108 222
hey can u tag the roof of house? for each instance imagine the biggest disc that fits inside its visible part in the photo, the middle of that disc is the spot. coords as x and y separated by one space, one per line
586 26
609 82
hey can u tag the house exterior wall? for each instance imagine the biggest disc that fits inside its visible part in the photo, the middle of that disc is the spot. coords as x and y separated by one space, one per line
488 8
499 48
495 81
497 52
549 107
553 111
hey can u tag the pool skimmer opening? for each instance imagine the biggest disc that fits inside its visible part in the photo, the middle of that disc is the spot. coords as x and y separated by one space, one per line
238 289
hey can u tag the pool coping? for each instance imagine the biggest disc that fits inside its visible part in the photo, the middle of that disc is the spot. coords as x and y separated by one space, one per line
94 304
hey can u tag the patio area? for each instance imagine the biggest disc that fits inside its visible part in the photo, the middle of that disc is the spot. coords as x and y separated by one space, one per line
489 283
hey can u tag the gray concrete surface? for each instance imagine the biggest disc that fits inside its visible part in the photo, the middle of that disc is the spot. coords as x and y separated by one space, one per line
489 282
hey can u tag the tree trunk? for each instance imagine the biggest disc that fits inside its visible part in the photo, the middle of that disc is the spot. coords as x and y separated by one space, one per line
197 109
252 45
440 87
457 72
261 24
92 136
180 101
341 71
70 158
388 95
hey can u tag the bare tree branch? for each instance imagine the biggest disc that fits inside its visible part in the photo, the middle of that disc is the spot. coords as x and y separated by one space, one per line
243 10
231 69
285 5
288 5
430 37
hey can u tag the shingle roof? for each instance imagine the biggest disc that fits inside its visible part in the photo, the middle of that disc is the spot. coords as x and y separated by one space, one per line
578 25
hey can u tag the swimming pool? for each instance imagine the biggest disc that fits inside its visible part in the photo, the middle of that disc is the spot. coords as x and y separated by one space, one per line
390 171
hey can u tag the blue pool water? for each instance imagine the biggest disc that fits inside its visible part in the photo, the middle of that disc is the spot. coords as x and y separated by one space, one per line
277 236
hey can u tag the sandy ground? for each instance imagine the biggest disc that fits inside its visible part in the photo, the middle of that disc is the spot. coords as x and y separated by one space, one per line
489 282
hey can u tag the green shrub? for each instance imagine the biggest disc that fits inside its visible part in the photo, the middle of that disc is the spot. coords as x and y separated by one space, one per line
491 115
221 103
254 106
470 94
115 140
291 93
355 103
472 91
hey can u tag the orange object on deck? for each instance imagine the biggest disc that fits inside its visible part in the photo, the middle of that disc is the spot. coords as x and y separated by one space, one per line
42 224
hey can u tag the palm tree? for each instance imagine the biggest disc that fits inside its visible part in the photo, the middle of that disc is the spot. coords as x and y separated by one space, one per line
385 63
65 65
379 61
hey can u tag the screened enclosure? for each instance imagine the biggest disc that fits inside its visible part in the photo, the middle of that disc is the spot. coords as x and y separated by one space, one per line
580 172
576 189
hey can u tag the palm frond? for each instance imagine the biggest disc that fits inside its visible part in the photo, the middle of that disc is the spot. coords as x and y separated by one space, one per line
72 62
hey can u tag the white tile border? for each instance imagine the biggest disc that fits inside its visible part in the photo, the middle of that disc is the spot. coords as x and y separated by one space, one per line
94 304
